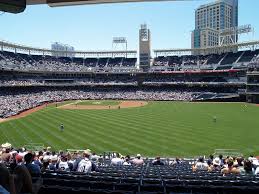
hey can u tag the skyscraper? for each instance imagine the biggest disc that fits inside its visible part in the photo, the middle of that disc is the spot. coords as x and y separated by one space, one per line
210 19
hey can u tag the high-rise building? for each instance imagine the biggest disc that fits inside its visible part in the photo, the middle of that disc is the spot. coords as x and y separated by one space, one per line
144 47
210 19
64 50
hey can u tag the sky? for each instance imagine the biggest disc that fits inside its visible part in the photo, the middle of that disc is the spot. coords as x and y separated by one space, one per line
92 27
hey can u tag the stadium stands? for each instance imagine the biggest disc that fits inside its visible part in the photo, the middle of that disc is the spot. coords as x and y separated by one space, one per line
208 77
14 102
248 56
19 61
212 61
171 175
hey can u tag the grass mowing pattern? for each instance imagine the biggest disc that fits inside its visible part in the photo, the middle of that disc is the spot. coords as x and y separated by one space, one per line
160 128
99 102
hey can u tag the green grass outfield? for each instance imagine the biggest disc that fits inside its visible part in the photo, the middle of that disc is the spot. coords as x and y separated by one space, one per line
160 128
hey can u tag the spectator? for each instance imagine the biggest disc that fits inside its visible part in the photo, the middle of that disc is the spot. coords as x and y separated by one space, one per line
6 156
85 165
175 162
210 160
7 184
127 162
53 164
157 161
216 164
117 161
33 168
247 169
94 158
200 165
63 164
23 180
45 166
221 160
230 168
138 160
239 162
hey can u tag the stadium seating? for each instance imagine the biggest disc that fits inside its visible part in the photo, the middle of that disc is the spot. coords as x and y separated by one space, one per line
115 62
205 62
248 56
231 58
149 179
20 61
129 62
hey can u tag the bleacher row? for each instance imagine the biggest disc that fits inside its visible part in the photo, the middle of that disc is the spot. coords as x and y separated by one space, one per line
19 61
217 59
148 179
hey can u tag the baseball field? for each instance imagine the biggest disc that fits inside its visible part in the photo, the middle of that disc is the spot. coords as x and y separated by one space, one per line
148 128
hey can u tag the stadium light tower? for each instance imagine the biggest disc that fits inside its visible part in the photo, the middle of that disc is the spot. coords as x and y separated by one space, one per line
230 35
120 42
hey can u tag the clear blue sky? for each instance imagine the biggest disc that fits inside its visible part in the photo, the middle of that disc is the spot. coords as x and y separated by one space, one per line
91 27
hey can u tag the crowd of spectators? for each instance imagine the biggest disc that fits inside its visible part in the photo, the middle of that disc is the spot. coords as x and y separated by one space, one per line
29 82
87 161
228 165
126 80
80 161
24 164
24 62
17 166
199 60
123 80
14 103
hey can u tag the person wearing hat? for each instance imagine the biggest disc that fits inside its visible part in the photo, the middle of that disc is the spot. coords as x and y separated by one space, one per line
216 164
6 155
54 163
138 160
86 165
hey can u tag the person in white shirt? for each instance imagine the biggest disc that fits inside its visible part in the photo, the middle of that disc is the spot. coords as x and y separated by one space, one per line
117 161
200 165
127 162
63 164
86 165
